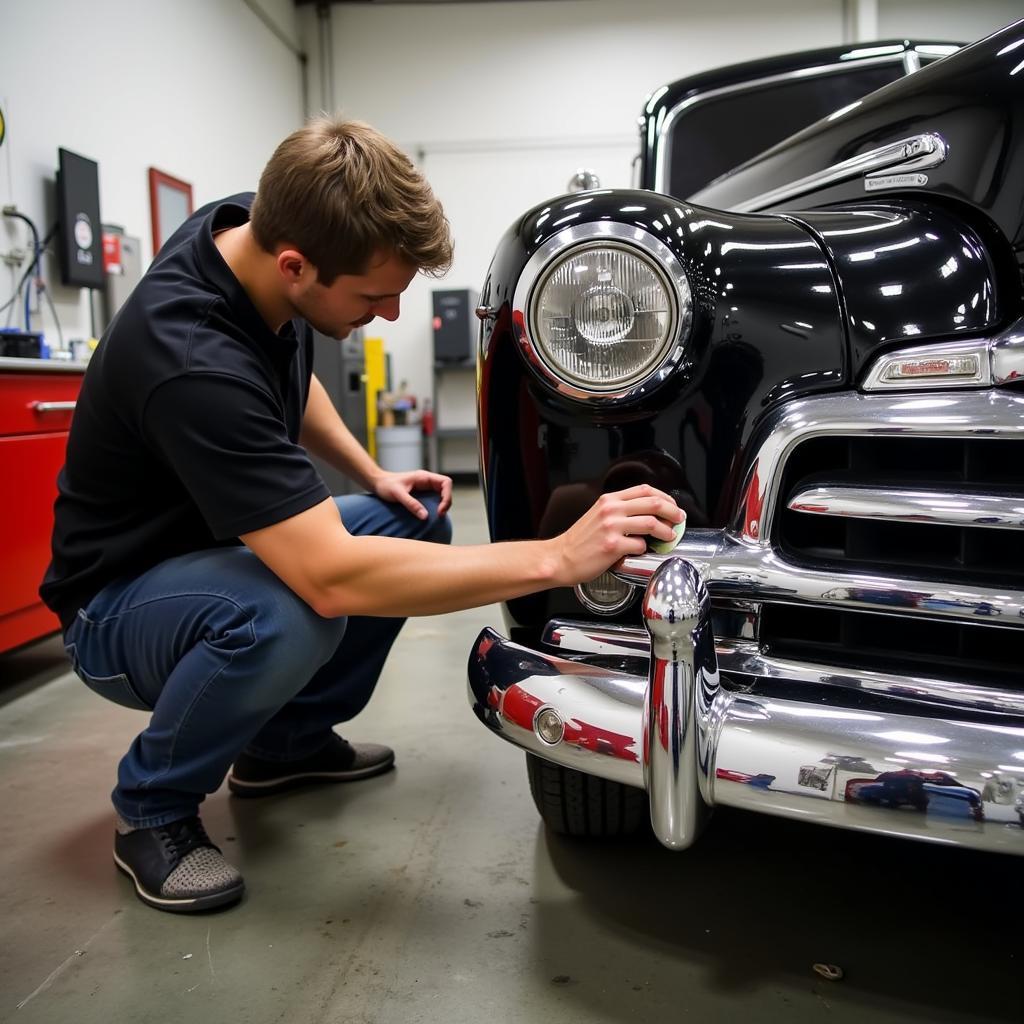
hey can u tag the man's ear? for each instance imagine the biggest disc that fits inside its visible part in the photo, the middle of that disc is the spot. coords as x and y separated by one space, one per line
293 266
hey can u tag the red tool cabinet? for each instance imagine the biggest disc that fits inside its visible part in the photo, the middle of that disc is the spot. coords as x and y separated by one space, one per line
35 414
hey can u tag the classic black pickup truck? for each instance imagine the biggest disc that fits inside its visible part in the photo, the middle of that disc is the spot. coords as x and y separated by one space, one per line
805 323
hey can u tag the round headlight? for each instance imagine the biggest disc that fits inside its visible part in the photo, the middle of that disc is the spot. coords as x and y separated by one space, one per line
605 595
604 315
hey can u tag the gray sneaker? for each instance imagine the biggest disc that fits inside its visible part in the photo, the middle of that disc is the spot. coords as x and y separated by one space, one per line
175 867
337 761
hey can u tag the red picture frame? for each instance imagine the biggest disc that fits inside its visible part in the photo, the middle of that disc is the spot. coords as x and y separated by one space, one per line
170 204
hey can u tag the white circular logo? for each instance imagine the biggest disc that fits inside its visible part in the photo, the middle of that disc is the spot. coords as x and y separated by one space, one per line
83 232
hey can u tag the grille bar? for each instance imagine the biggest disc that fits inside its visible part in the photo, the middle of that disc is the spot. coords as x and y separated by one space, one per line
737 571
937 508
963 690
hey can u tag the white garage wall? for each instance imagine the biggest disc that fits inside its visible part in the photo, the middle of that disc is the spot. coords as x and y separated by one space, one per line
200 89
949 20
500 102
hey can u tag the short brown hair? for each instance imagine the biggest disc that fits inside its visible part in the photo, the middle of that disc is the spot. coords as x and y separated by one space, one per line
340 192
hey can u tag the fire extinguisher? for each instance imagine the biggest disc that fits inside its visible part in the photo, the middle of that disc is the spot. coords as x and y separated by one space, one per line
427 419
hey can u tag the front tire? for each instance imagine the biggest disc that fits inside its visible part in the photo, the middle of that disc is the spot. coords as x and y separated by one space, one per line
573 803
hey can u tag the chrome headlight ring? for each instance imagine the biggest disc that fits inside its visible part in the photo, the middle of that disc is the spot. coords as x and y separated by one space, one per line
583 595
609 237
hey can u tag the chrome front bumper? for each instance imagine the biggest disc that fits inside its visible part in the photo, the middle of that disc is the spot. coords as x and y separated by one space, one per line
693 737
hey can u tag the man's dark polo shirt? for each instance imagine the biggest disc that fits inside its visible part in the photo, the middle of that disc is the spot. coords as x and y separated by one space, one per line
186 430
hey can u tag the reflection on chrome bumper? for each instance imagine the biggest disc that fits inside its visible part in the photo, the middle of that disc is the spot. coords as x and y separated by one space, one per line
694 743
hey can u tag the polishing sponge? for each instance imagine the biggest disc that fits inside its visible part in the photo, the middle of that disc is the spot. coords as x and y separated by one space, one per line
663 547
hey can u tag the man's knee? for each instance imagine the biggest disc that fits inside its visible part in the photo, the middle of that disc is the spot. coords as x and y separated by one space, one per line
435 528
294 640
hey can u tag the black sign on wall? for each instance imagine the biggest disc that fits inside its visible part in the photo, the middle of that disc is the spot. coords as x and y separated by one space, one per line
78 210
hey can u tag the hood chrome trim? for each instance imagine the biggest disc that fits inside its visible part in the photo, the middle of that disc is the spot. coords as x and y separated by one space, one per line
912 154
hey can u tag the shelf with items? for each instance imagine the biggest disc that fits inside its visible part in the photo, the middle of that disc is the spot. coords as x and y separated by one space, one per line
452 444
453 432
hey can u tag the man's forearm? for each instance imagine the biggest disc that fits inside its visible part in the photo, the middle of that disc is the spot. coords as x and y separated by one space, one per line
337 573
392 576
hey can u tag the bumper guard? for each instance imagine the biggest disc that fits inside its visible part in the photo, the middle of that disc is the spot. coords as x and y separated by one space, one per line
692 742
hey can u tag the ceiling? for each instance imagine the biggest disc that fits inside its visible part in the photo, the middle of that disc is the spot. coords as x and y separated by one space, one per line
326 3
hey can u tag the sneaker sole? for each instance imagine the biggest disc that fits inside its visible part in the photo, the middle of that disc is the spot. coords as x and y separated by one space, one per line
184 905
242 787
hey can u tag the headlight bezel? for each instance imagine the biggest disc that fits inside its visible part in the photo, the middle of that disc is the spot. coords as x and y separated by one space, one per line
664 264
584 598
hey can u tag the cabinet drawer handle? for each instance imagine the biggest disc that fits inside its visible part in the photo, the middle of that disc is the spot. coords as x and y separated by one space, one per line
52 406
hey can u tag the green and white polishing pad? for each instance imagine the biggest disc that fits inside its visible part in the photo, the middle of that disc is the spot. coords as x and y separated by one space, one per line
663 547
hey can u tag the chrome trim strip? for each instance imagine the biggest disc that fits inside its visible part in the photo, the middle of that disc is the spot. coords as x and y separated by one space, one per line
662 169
594 638
914 153
755 572
916 776
746 659
590 232
992 511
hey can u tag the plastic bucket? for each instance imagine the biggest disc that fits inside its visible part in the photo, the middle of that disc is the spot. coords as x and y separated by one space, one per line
399 448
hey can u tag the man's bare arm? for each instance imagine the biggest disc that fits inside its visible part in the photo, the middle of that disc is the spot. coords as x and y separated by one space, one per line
338 574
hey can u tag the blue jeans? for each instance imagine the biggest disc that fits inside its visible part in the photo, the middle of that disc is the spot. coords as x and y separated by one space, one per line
227 658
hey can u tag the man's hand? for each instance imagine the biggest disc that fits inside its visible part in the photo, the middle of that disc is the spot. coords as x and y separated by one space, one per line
398 487
617 525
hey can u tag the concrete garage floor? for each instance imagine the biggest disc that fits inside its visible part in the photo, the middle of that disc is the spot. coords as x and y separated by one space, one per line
434 893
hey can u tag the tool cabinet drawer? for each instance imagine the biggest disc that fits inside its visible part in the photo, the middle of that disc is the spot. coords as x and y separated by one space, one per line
37 403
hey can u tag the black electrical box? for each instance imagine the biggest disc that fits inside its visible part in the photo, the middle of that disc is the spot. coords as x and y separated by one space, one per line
78 210
21 344
455 326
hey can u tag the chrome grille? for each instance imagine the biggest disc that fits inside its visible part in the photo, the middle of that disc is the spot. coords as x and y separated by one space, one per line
935 508
876 536
945 509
